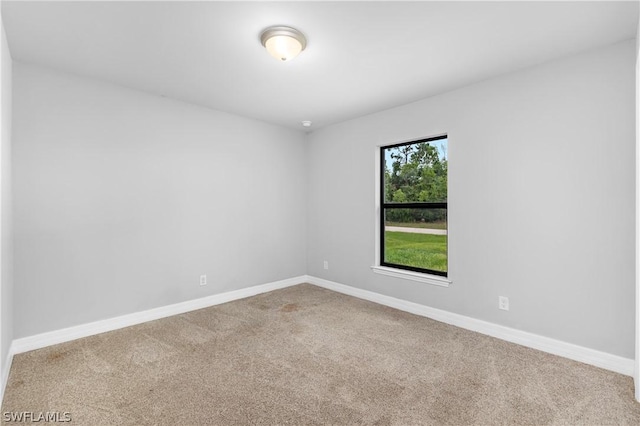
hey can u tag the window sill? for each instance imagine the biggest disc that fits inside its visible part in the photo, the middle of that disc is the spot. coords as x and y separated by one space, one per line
413 276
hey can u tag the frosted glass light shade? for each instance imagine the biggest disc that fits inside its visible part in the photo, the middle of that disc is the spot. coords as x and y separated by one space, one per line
283 48
283 43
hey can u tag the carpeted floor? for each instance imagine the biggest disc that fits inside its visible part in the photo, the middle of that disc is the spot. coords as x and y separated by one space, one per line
306 355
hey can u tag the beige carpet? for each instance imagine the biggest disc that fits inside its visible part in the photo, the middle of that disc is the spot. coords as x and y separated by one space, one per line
305 355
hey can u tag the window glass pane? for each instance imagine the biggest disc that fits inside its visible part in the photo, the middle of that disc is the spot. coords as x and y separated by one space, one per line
430 219
416 172
416 238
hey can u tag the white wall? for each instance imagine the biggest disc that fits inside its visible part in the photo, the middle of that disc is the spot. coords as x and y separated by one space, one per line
637 116
123 199
541 199
6 226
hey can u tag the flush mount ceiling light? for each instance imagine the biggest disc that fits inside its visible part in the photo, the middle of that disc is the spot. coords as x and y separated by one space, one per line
283 43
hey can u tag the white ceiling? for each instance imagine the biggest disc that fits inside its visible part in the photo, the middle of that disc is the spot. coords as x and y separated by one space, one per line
361 57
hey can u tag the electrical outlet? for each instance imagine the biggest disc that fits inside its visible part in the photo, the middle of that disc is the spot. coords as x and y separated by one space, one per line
503 303
203 280
326 265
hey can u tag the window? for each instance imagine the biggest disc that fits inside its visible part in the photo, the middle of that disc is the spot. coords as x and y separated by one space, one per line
414 206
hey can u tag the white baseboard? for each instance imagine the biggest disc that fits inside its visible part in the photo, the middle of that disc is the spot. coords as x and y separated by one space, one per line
545 344
556 347
6 368
38 341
